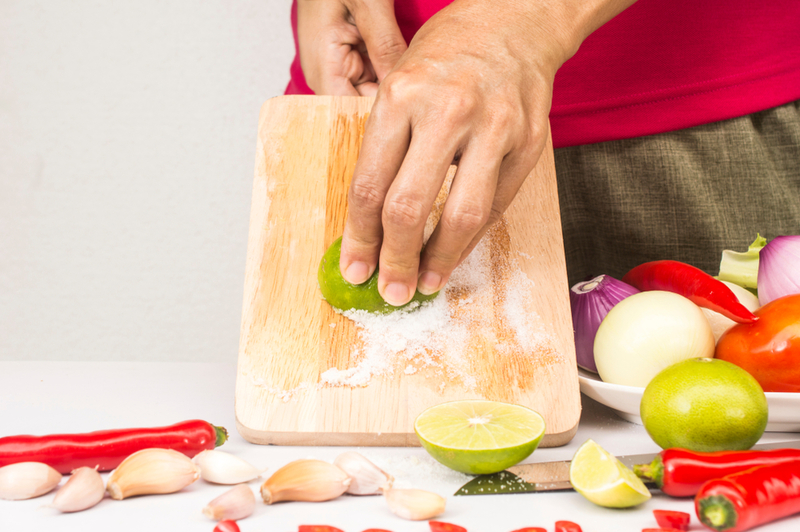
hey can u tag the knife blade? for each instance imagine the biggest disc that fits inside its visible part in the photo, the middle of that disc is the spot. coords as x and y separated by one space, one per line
553 476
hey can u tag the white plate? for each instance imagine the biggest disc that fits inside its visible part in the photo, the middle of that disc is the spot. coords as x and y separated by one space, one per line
784 408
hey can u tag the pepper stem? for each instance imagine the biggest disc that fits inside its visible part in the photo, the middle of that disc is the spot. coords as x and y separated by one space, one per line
222 435
717 512
652 472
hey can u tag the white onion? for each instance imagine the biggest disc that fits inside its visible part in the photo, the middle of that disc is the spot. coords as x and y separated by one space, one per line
779 269
719 323
648 332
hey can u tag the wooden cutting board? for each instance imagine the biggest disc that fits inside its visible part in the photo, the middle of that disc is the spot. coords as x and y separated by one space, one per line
310 376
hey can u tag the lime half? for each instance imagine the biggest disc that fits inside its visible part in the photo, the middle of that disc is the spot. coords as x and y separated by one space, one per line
601 478
479 437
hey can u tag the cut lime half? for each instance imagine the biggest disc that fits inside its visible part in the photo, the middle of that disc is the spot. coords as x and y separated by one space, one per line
479 437
604 480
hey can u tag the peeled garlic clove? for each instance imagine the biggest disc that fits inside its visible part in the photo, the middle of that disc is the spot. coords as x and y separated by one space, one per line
83 489
236 503
220 467
305 480
26 480
414 505
366 478
152 471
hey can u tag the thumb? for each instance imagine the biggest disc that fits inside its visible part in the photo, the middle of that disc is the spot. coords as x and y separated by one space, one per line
378 27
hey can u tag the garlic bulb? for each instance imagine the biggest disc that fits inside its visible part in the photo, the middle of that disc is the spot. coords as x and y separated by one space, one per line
414 505
236 503
305 480
152 471
366 478
26 480
220 467
83 489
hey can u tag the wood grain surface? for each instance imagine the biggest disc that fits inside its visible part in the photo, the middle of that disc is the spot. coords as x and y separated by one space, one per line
306 151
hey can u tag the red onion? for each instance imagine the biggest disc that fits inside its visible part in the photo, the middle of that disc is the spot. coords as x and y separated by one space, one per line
779 269
590 302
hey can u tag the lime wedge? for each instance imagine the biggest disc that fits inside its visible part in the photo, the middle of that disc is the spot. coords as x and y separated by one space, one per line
601 478
479 437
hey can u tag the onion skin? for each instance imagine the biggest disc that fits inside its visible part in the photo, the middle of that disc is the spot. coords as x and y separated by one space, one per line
779 269
590 302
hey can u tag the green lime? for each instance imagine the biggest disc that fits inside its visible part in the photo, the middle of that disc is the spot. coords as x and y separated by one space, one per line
345 296
704 404
601 478
479 437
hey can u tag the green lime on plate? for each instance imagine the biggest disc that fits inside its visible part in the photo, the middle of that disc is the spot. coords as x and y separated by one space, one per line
346 296
479 437
601 478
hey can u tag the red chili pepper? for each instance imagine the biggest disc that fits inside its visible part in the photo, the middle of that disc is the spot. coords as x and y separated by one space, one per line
567 526
680 472
106 449
690 282
672 519
750 498
439 526
318 528
227 525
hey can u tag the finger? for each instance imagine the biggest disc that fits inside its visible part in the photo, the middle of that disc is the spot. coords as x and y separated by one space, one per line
386 139
466 212
408 203
378 27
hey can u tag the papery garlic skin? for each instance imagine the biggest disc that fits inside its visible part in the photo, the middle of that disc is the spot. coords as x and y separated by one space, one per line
414 505
151 471
236 503
26 480
366 478
83 489
220 467
305 480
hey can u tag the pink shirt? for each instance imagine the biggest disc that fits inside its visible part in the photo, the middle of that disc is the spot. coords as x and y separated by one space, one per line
661 65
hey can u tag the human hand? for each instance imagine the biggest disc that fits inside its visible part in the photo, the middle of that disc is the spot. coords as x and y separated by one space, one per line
347 46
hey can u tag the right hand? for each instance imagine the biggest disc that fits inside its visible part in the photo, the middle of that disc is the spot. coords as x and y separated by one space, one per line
347 47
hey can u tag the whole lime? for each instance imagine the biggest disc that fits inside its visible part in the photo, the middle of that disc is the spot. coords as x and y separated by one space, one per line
704 404
346 296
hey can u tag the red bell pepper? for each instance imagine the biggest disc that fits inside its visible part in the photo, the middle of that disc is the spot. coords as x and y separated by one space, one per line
672 519
680 472
227 525
750 498
106 449
690 282
440 526
567 526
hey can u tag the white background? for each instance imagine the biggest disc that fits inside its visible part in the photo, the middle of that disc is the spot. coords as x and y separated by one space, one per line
127 147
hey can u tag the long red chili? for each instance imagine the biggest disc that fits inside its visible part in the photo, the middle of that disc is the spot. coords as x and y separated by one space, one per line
106 449
750 498
690 282
681 473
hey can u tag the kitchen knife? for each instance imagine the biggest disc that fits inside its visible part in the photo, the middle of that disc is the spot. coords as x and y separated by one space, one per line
552 476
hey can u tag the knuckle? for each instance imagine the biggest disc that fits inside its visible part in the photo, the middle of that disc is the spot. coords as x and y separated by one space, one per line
466 218
404 212
364 195
396 88
459 107
388 46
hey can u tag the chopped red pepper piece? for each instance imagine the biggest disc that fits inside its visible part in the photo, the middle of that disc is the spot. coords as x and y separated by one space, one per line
672 519
439 526
567 526
318 528
227 525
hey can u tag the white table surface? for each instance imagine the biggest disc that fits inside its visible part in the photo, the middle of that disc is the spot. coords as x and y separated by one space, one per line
53 397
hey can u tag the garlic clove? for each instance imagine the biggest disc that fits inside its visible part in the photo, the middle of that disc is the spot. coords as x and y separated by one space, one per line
236 503
26 480
414 505
151 471
305 480
366 478
220 467
83 489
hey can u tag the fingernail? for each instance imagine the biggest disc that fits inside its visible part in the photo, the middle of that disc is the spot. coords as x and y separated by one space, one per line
429 283
357 273
396 294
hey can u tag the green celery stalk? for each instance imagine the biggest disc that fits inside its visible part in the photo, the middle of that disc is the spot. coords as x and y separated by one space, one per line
742 268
